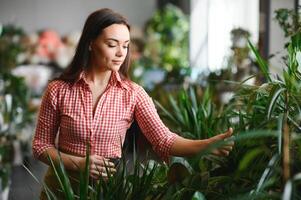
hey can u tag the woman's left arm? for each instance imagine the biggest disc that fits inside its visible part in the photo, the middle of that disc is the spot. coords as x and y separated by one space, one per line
166 143
187 147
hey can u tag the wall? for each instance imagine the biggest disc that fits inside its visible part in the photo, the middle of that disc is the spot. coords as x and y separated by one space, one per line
277 39
211 25
65 16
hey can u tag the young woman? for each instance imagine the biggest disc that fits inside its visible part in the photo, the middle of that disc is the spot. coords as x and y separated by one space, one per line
94 102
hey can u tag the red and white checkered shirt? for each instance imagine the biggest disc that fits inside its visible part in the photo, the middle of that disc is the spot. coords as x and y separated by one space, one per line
66 109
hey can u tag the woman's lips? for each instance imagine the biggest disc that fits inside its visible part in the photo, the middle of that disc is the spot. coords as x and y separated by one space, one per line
117 61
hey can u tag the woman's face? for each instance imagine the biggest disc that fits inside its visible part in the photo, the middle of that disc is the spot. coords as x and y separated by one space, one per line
110 48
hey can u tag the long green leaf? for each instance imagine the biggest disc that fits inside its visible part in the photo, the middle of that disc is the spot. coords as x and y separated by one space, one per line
84 176
273 101
62 178
249 157
267 172
167 113
50 195
262 64
280 127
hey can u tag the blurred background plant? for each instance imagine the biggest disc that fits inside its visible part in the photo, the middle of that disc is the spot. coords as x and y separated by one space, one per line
10 46
165 49
37 56
288 20
15 115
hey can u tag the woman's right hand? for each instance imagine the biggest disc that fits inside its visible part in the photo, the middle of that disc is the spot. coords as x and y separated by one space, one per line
98 166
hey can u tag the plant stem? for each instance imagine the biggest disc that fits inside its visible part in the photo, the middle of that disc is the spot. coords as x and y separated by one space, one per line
286 153
286 144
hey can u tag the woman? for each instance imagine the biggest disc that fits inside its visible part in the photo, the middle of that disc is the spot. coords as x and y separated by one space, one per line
93 102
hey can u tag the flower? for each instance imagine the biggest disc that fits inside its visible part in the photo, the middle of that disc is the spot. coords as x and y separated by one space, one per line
36 76
48 43
65 53
48 47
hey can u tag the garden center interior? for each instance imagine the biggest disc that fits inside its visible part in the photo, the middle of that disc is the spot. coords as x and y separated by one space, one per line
206 64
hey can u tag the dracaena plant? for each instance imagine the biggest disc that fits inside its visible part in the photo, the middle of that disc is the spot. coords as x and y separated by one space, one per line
275 105
193 116
144 181
267 121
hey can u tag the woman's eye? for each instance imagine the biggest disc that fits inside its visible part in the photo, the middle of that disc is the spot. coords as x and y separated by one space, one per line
125 47
111 45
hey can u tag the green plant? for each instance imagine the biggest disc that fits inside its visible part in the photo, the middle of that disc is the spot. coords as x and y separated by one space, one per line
265 163
14 115
15 104
193 116
166 31
267 123
145 181
289 21
5 167
10 46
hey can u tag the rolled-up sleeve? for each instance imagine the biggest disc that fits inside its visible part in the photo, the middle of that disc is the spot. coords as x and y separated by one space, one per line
48 121
151 125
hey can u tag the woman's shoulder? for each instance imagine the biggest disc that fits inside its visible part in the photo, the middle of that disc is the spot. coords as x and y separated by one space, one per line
57 85
139 92
134 87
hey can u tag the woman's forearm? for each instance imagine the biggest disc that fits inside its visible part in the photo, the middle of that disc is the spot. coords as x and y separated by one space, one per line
187 147
70 162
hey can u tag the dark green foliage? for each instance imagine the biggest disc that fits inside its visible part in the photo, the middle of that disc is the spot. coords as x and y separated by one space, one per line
10 46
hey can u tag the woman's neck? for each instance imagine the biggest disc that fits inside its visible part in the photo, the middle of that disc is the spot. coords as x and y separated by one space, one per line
98 77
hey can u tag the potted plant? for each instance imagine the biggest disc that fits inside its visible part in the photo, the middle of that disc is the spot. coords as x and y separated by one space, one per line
15 114
162 60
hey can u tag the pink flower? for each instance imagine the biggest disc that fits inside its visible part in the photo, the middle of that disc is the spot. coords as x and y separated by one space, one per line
48 43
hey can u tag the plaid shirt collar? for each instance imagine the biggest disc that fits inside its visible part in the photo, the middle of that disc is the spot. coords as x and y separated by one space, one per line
115 80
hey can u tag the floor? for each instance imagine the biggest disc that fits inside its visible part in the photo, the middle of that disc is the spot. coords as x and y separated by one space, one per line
23 185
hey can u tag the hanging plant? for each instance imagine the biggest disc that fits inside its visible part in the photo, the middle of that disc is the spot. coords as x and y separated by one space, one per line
167 39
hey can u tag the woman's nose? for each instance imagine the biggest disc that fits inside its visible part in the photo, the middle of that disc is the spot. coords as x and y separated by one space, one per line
119 52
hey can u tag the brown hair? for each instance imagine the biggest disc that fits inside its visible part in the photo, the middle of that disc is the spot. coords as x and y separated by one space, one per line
94 25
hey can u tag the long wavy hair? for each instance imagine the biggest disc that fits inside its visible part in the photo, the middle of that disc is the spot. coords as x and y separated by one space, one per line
94 25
